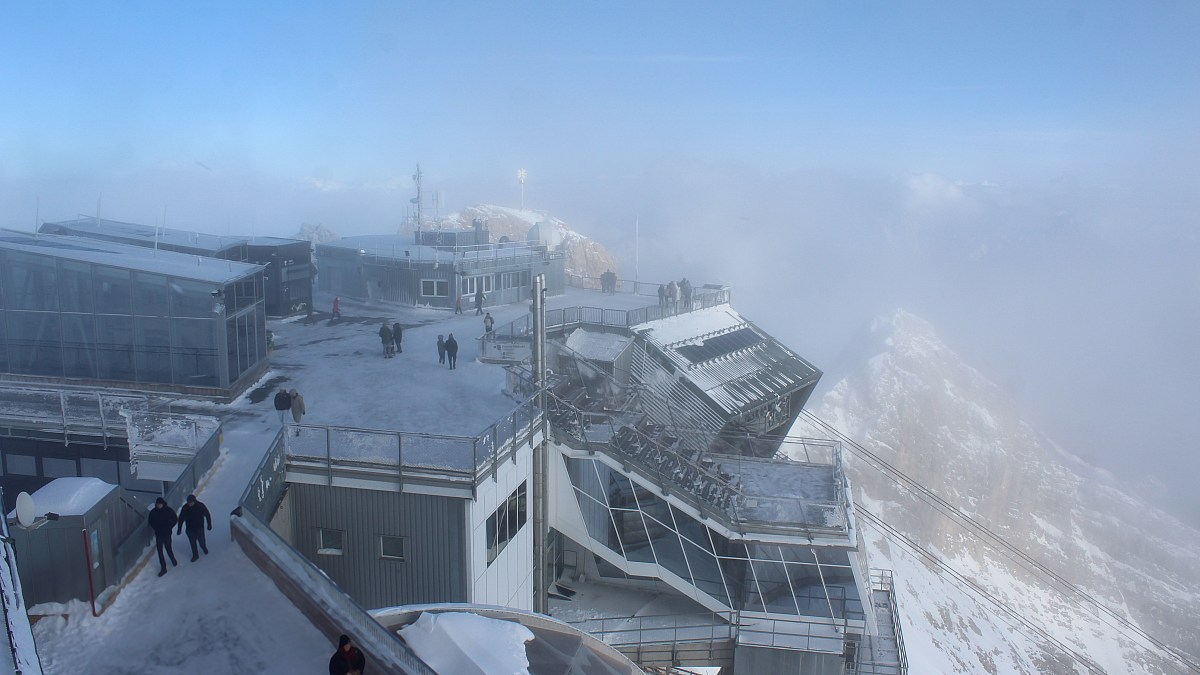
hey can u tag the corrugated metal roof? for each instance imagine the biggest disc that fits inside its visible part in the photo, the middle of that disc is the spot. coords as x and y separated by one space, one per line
597 346
127 256
737 365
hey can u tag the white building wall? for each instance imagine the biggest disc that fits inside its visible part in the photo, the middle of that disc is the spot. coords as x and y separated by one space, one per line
508 581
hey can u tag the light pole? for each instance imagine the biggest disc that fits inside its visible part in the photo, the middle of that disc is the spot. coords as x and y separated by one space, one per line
521 178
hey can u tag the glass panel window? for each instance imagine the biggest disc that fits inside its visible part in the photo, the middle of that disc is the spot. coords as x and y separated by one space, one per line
150 294
331 542
503 524
152 358
114 348
104 469
194 352
113 290
34 343
75 281
79 339
22 465
435 288
193 299
53 467
30 282
391 548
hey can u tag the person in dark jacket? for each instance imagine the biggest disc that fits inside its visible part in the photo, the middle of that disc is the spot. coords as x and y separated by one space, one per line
441 350
194 516
385 336
162 520
283 404
348 659
488 323
452 350
397 337
478 302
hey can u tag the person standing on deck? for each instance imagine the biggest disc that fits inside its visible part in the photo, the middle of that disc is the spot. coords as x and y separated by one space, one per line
452 350
488 323
283 403
385 336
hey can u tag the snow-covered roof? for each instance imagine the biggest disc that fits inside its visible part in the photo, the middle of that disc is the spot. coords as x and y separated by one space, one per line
732 361
597 346
127 256
70 496
209 244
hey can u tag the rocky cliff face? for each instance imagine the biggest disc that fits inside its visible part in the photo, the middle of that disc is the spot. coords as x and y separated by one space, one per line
584 256
942 423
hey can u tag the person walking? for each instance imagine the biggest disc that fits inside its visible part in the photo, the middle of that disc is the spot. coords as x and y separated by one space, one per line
297 407
348 659
452 351
162 520
193 516
488 323
337 309
283 403
458 304
441 350
478 301
385 336
398 337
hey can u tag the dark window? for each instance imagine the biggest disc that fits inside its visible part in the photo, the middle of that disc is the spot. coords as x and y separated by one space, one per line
113 290
435 288
192 299
79 340
30 282
391 548
153 354
34 345
149 294
114 348
75 280
331 542
505 522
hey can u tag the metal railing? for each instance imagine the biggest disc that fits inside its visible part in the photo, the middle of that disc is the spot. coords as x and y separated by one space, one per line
568 317
66 411
882 581
404 454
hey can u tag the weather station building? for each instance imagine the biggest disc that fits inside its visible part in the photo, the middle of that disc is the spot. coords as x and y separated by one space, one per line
660 440
79 311
436 267
287 277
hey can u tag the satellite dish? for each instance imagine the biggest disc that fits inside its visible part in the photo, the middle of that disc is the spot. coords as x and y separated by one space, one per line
26 513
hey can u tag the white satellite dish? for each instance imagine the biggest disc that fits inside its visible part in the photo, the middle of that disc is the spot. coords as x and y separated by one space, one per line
26 512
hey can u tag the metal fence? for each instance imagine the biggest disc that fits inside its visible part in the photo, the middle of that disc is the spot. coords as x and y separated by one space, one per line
67 412
567 317
462 458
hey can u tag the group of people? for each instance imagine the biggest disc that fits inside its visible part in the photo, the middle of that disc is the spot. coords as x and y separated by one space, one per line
670 295
448 350
608 282
193 517
391 336
289 401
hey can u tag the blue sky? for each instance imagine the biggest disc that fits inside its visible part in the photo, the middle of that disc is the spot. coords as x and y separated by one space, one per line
357 92
1023 174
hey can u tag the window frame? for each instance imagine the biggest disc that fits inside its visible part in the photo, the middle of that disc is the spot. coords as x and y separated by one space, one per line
383 554
322 549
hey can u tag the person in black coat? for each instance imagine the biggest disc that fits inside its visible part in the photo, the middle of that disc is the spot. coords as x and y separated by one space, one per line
441 350
162 520
283 403
194 515
397 336
452 350
478 302
348 659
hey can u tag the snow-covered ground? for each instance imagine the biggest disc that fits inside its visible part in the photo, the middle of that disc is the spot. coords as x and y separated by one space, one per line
221 614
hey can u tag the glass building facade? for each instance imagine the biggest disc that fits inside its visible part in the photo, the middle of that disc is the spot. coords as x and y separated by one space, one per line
635 523
96 311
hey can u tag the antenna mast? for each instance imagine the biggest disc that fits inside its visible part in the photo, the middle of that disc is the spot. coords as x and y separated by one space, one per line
420 197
